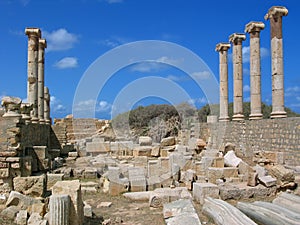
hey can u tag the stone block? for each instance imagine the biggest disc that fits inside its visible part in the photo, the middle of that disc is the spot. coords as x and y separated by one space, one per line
87 210
137 179
169 141
142 151
39 208
21 218
145 141
155 152
97 147
20 200
90 173
203 190
73 189
221 173
35 186
4 172
164 165
153 168
268 181
53 178
230 159
119 187
252 179
218 162
284 176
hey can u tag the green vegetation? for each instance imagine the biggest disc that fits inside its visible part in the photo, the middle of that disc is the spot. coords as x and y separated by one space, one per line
141 118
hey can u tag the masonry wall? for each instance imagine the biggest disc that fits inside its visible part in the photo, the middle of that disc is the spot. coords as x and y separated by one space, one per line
274 135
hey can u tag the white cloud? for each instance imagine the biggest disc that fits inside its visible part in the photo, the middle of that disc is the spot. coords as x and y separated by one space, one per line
56 105
293 89
24 2
167 60
246 88
60 39
173 78
67 62
92 105
147 67
113 42
203 75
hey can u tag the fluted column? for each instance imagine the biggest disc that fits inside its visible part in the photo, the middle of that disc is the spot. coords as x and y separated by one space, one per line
254 28
237 39
59 213
32 70
275 15
47 106
222 48
41 62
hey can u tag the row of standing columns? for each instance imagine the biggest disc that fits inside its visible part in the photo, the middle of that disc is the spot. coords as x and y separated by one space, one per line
275 15
37 94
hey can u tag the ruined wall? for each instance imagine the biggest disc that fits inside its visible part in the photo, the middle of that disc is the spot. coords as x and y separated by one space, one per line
68 130
274 135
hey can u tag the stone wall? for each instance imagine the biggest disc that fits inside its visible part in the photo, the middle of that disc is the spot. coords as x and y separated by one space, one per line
68 130
280 136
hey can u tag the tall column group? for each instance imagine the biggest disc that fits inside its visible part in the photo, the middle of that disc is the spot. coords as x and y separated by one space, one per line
275 15
35 74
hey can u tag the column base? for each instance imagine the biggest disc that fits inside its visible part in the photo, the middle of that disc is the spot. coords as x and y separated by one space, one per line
238 117
48 122
257 116
12 114
34 120
278 114
42 121
224 119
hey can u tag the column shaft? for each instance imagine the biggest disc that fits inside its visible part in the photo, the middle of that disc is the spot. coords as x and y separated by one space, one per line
42 46
222 48
275 16
237 39
47 106
254 29
59 206
32 70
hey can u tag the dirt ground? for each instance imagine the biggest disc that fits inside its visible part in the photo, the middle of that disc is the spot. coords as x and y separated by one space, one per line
127 212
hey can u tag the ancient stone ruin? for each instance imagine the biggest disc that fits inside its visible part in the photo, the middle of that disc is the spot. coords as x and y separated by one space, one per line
77 171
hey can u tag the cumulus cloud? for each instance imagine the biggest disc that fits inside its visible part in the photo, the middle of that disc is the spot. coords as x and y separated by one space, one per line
246 88
92 105
59 40
203 75
113 42
56 105
147 67
67 62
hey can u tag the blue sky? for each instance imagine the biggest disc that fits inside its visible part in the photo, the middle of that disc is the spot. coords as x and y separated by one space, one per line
78 32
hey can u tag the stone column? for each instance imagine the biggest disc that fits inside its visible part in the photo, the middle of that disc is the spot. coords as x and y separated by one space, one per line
254 28
41 61
47 106
32 71
237 39
222 48
59 206
275 15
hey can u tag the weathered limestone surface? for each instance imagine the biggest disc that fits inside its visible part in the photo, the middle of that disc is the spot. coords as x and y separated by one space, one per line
73 189
265 215
145 141
203 190
180 212
32 70
222 48
12 106
59 206
41 62
20 200
224 213
33 186
236 39
254 28
275 15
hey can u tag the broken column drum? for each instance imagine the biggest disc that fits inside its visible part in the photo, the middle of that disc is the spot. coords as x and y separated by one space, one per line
236 39
275 15
32 70
254 28
222 48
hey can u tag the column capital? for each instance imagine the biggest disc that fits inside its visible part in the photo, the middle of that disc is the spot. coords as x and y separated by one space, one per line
222 47
276 11
42 43
237 38
254 27
31 31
